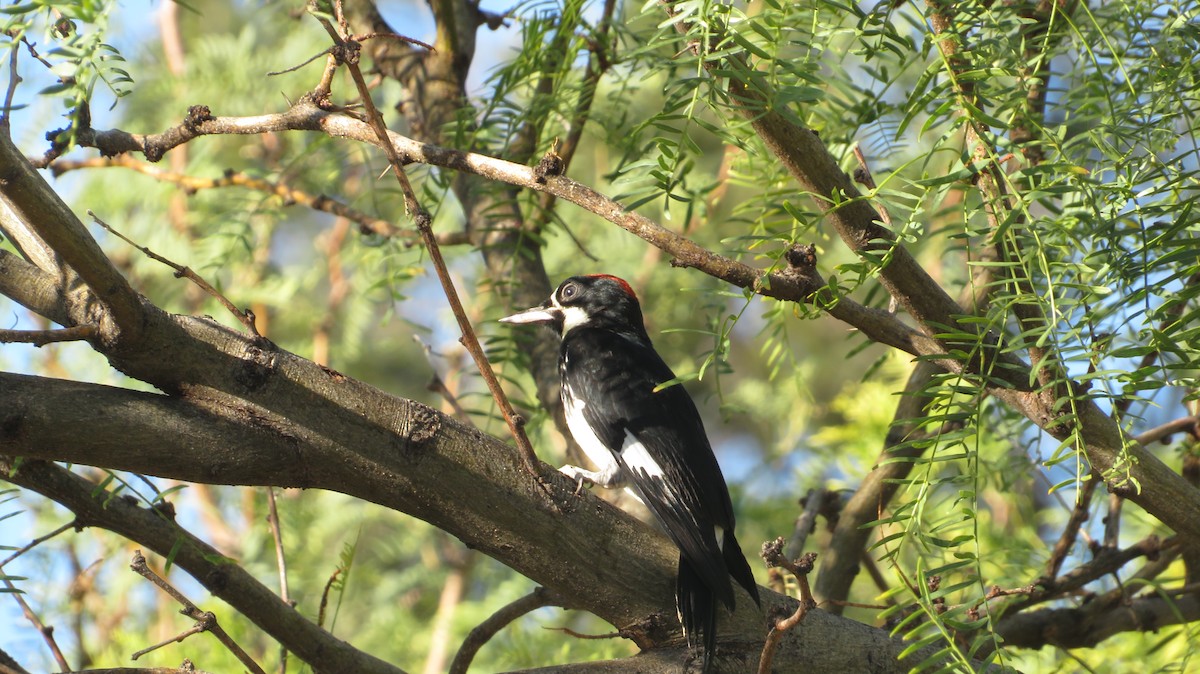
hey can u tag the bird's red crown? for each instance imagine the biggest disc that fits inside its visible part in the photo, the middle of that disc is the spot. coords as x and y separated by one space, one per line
619 281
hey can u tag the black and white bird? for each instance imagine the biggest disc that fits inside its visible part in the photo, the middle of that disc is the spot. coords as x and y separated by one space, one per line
638 431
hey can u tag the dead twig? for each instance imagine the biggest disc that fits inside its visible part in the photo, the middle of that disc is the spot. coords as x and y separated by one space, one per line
206 621
487 629
185 668
37 541
281 563
438 385
772 554
318 202
40 338
43 629
1170 428
580 635
13 80
204 624
244 315
325 595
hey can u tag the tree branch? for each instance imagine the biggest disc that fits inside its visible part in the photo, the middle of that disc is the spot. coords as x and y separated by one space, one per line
41 338
231 178
39 209
484 631
32 288
393 452
152 528
206 621
1093 622
1164 493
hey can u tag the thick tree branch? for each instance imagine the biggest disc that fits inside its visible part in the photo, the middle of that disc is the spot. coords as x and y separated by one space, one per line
395 453
36 290
39 209
1093 622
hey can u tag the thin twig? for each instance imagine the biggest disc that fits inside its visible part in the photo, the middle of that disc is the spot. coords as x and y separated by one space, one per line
438 385
40 338
46 631
1066 540
325 596
13 80
586 637
363 37
599 61
246 317
290 195
300 65
484 631
37 541
202 625
205 618
516 424
281 563
186 668
1112 523
1106 561
1170 428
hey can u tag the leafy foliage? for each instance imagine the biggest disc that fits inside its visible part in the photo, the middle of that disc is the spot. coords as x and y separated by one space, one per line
1088 256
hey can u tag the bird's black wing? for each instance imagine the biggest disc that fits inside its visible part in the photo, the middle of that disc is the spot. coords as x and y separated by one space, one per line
660 439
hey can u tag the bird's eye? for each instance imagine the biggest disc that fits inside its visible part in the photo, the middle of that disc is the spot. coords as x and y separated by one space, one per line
569 291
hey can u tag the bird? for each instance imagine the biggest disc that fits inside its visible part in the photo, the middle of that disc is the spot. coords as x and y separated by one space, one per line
642 429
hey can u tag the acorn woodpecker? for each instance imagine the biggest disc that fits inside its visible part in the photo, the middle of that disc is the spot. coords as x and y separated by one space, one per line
638 431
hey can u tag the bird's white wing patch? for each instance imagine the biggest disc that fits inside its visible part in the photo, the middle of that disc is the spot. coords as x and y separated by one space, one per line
634 453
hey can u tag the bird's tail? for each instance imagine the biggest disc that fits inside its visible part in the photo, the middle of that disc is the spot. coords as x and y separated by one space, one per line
697 610
738 567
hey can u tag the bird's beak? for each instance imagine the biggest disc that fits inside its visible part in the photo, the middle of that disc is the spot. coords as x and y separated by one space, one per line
546 313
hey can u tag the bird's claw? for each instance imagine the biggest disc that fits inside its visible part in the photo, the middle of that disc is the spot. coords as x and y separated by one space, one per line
579 482
580 477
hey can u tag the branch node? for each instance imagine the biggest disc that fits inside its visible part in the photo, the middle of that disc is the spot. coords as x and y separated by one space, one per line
197 115
551 164
346 53
801 256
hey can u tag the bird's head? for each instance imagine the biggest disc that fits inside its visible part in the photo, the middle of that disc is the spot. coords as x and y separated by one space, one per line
596 301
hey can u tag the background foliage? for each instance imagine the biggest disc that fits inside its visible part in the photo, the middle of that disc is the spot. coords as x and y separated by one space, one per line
1087 110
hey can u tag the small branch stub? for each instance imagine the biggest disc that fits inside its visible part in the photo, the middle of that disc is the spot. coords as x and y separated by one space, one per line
772 554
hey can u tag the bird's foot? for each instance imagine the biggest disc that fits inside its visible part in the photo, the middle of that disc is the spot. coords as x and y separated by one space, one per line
580 476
